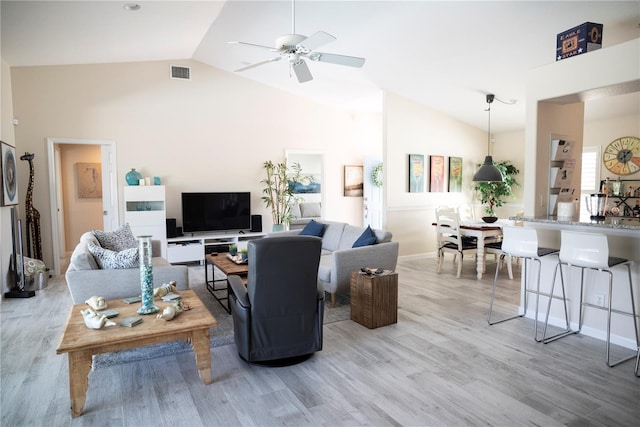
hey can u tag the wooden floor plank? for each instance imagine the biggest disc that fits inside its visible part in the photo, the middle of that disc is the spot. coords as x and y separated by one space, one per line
441 364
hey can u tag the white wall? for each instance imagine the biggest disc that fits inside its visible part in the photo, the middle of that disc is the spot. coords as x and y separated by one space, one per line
411 128
209 134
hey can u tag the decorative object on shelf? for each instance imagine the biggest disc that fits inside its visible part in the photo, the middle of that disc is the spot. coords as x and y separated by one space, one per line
157 180
94 320
34 238
455 174
376 175
146 276
233 249
492 192
622 155
488 172
96 302
416 173
353 181
244 253
9 175
278 193
133 177
578 40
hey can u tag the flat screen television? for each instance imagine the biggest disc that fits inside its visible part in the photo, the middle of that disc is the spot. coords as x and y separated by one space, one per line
216 211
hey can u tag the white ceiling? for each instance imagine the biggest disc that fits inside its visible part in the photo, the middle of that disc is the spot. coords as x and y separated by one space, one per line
445 55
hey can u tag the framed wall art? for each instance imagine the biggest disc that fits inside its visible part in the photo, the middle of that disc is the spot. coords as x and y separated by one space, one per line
436 175
416 173
353 181
455 174
89 179
8 168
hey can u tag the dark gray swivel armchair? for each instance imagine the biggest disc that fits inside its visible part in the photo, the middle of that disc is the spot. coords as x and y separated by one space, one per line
280 312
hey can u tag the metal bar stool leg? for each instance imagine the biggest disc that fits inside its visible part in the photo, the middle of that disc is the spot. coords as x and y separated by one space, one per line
493 295
635 323
567 330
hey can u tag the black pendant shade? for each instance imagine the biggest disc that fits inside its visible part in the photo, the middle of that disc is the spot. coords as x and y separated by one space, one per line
488 172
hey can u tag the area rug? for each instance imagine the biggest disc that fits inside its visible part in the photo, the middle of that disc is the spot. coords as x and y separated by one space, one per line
220 335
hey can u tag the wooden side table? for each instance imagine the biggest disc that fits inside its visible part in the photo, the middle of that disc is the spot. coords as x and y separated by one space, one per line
374 299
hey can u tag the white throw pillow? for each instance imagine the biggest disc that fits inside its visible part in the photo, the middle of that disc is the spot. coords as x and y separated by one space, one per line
107 259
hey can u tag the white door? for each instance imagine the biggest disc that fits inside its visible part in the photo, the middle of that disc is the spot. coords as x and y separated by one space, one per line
109 192
372 200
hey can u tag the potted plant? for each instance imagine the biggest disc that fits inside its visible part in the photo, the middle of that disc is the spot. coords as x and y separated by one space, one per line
492 193
278 193
233 249
244 253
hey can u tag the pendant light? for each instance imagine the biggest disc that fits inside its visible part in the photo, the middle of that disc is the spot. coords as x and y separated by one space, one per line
488 172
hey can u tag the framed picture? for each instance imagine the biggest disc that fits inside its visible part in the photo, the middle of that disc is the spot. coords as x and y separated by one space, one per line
416 173
89 178
353 181
455 174
9 175
436 175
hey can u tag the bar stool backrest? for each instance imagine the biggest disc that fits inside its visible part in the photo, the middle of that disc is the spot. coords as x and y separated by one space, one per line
520 241
584 249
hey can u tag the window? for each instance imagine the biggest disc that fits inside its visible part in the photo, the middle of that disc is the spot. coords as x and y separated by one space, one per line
590 178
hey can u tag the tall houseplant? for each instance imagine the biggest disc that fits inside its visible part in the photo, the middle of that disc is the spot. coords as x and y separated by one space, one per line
492 193
278 193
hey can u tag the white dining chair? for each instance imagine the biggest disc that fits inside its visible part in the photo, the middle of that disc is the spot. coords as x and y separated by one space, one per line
449 238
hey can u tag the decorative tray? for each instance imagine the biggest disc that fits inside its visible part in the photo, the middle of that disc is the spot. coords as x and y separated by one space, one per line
237 259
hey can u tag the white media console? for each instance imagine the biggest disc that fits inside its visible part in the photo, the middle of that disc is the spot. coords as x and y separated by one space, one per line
193 246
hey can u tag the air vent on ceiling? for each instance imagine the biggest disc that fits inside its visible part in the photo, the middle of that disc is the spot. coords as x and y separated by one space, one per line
180 73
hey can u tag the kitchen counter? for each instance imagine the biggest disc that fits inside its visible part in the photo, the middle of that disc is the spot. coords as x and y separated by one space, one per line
623 236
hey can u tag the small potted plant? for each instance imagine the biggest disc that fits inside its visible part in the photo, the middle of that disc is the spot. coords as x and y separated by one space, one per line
233 249
492 193
244 253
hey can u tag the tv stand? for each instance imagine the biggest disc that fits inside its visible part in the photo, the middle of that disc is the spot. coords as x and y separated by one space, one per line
192 247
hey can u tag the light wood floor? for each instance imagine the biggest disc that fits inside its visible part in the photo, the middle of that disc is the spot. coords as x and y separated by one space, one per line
441 365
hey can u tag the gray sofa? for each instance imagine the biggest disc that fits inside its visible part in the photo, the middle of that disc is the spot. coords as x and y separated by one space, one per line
303 213
85 278
339 258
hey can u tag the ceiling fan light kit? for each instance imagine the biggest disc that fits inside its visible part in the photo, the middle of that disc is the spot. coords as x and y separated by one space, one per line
295 48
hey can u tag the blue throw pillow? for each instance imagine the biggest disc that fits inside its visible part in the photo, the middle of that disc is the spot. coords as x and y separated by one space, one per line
313 228
366 238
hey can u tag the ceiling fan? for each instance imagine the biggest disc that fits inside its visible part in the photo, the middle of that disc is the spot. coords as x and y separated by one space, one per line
295 48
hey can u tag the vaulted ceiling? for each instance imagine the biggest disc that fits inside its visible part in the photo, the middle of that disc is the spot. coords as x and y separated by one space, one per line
445 55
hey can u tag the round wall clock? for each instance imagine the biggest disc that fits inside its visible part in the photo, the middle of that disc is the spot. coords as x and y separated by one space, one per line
622 155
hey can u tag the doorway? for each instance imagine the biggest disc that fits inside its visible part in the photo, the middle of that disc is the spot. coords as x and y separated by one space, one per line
70 200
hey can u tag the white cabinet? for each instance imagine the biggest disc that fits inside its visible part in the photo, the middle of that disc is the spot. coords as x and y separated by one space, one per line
145 211
193 248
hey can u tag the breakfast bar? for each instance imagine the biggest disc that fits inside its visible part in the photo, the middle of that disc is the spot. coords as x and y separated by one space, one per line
623 237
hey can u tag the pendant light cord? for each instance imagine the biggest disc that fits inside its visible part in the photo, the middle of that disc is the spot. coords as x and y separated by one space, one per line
293 16
490 98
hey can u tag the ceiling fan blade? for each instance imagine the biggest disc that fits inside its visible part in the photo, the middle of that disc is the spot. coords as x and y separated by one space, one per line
302 71
271 48
351 61
257 64
316 40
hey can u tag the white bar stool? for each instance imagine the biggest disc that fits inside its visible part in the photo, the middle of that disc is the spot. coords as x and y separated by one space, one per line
638 362
590 251
520 242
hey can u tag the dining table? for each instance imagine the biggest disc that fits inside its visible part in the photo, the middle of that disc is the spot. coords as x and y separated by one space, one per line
483 232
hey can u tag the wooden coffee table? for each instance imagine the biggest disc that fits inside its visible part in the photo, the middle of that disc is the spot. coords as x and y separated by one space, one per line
228 267
81 343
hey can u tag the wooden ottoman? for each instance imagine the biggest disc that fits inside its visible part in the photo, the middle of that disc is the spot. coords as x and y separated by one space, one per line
374 299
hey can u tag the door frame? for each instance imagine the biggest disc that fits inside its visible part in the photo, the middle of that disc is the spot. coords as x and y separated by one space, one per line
109 188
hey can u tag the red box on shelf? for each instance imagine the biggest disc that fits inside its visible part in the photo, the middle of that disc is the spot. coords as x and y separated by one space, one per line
578 40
